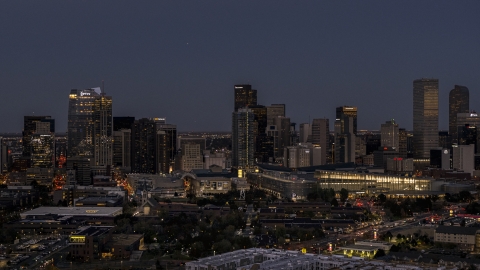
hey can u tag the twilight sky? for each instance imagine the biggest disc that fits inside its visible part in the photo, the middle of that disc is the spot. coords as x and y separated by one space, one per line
180 59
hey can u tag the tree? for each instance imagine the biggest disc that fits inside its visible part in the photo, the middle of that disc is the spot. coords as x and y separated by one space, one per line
343 194
380 253
334 202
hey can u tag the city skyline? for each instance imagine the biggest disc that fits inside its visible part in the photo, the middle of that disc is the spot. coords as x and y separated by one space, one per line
166 57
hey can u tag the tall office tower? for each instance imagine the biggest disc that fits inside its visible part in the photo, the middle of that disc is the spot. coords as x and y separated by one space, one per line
468 134
264 152
402 143
242 139
80 122
297 156
463 158
122 148
390 134
458 102
425 117
3 156
245 96
171 144
294 139
373 141
345 141
473 119
274 111
103 130
345 112
29 128
144 134
259 128
82 168
283 126
162 155
305 132
42 145
259 119
192 149
320 134
273 133
123 122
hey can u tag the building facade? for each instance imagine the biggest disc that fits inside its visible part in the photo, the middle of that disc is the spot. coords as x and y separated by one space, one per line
425 117
458 102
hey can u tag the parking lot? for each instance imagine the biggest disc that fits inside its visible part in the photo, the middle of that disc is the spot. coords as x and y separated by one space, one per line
32 252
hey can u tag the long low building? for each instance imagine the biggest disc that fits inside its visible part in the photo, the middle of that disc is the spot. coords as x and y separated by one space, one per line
297 185
268 259
73 211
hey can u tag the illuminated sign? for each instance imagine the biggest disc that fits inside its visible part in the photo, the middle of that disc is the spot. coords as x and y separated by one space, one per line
78 239
91 211
84 93
238 87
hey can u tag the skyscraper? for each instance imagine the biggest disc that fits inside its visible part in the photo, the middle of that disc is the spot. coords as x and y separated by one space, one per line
458 102
390 135
425 117
80 122
242 139
103 130
144 155
244 96
122 148
305 132
42 145
343 113
171 140
320 134
274 111
30 128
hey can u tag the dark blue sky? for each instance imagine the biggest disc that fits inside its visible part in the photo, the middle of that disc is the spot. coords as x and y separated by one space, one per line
180 59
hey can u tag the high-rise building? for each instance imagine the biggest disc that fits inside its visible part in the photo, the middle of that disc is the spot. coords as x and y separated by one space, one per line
344 141
306 132
283 127
345 112
464 157
123 122
468 134
171 137
259 128
103 130
402 142
390 134
425 117
81 122
144 134
245 96
162 155
242 139
458 102
122 148
320 133
3 156
30 128
192 149
275 111
42 145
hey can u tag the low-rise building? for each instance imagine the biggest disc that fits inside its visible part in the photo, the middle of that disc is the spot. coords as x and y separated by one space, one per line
464 237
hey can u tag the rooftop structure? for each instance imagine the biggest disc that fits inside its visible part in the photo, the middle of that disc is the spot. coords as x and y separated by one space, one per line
73 211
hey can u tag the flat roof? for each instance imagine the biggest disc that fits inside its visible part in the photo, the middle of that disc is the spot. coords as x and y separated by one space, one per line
93 230
73 211
457 230
126 239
